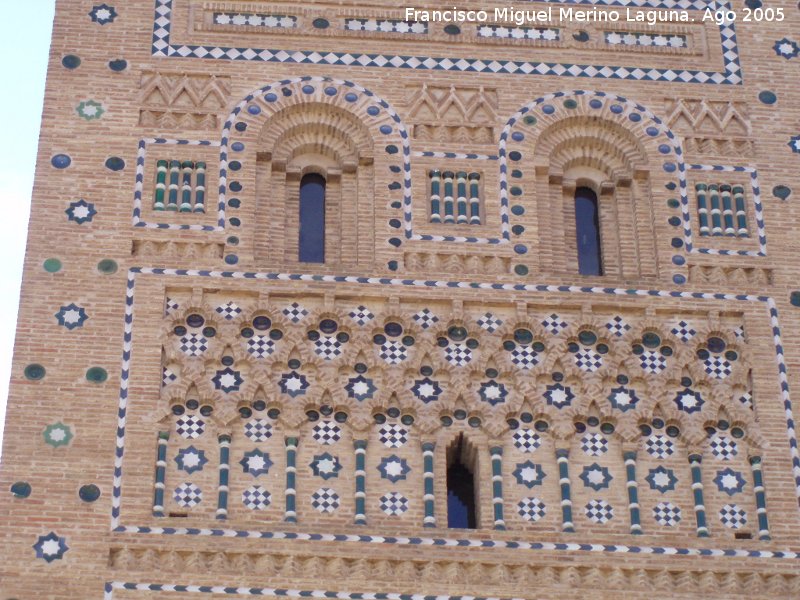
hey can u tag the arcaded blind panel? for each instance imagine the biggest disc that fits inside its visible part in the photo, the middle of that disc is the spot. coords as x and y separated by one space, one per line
312 219
587 229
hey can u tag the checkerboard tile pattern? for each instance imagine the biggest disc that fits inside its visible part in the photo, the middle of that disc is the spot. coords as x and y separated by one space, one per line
328 347
327 433
229 310
524 357
425 318
723 447
594 444
258 430
361 315
394 504
733 516
170 306
167 376
295 312
393 436
260 346
526 440
531 509
586 359
190 427
393 352
599 511
618 326
457 354
187 495
666 514
256 498
325 500
683 331
652 362
489 322
717 367
193 344
659 446
554 324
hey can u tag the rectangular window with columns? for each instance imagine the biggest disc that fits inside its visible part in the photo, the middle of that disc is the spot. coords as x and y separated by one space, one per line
455 197
180 186
721 209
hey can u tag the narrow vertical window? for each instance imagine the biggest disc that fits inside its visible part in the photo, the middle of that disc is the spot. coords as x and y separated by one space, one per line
460 490
312 219
587 230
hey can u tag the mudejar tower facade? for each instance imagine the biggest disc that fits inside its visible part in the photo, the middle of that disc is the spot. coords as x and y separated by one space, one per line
320 301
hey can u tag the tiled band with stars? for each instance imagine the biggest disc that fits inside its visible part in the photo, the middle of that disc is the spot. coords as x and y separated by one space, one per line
531 508
164 46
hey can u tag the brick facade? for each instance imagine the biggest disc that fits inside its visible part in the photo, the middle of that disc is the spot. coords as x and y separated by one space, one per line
193 410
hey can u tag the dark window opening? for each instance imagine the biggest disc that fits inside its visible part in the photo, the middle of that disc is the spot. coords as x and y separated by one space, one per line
312 219
460 490
587 231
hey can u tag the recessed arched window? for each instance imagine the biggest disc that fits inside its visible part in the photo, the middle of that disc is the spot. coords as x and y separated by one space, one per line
587 232
312 219
461 512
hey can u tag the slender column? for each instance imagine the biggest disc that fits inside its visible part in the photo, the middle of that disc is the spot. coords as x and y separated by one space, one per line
497 486
474 199
633 492
448 197
436 199
702 207
727 209
186 186
562 458
461 200
174 176
224 475
200 187
161 474
697 491
761 499
290 515
161 185
741 213
427 475
361 481
716 211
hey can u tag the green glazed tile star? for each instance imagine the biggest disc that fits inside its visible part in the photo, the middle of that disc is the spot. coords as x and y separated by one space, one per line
58 434
90 110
